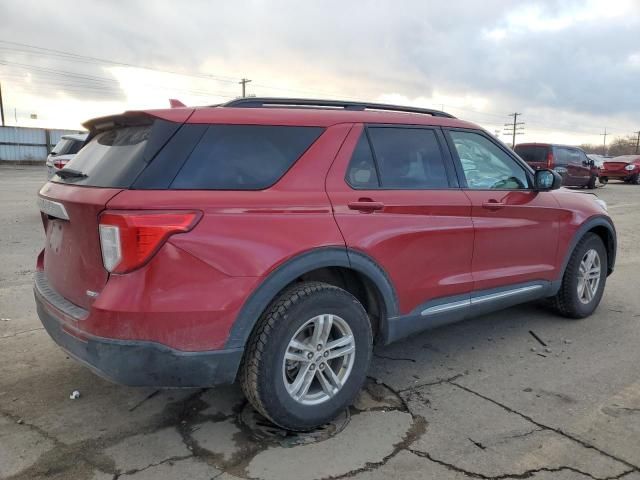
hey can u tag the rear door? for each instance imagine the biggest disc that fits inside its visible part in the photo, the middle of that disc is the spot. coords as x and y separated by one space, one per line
396 199
516 228
71 201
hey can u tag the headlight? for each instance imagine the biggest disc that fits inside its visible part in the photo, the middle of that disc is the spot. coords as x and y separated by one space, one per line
602 203
629 167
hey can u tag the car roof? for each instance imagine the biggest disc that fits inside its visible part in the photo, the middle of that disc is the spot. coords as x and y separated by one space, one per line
528 144
313 113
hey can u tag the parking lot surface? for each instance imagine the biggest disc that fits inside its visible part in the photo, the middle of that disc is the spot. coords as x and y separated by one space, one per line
479 399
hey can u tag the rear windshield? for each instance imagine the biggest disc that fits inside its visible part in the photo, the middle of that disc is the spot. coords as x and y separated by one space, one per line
67 146
107 159
532 153
115 158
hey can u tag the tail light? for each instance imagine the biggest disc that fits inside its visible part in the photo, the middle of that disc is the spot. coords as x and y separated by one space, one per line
550 159
60 163
129 239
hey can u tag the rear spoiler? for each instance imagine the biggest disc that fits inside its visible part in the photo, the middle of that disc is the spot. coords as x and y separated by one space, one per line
132 118
109 122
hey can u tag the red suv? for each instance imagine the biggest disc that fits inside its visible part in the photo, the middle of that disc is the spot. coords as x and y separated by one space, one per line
573 165
274 241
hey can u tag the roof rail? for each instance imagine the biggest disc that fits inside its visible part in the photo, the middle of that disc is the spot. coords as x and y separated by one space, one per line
274 102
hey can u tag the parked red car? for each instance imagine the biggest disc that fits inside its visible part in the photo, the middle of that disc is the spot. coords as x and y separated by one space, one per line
274 241
625 167
573 165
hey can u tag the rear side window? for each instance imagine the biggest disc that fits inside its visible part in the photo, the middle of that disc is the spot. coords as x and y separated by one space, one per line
533 153
243 157
408 158
561 157
362 169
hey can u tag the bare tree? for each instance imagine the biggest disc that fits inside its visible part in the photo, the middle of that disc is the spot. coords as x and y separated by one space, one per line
619 146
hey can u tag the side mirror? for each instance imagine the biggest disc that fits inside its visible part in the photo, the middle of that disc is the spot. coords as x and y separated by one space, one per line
546 180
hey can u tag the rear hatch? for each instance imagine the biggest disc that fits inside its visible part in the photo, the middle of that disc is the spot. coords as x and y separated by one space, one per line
537 156
118 150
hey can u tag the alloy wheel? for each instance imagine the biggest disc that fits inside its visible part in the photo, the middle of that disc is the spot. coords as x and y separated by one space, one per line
318 359
588 276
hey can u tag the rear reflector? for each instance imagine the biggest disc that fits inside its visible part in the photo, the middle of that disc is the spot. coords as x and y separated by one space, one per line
550 159
129 239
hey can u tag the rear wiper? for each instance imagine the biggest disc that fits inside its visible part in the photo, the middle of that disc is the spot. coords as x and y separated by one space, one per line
70 173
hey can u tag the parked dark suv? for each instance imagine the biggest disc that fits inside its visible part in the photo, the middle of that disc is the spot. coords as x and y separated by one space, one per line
576 169
274 241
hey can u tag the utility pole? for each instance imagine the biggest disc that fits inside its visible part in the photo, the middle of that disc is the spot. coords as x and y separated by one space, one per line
244 82
515 128
638 142
604 143
1 105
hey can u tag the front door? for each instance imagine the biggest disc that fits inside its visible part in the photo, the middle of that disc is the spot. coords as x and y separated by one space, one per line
395 198
516 228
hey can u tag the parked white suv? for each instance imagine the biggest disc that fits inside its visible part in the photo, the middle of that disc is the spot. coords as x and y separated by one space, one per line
64 151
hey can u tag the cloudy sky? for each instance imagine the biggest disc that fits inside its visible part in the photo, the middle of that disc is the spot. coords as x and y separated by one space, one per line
571 68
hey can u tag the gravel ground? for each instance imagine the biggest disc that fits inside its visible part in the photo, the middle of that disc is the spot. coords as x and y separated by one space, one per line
479 399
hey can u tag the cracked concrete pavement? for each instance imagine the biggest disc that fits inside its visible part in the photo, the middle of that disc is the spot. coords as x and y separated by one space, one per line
480 399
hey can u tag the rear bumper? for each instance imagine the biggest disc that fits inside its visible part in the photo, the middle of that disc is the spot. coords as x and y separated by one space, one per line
138 363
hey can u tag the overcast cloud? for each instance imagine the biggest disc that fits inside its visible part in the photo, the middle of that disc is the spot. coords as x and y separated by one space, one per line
571 67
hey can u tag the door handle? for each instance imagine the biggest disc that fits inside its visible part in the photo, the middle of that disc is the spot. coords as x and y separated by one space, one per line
366 205
493 205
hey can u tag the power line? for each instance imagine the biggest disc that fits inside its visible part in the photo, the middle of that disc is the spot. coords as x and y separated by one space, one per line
103 82
75 56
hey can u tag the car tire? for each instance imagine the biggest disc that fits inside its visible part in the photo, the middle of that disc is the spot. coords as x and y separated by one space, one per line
298 318
603 180
592 182
572 301
635 179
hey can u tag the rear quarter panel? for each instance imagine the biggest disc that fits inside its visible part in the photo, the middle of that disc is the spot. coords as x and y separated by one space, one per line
250 233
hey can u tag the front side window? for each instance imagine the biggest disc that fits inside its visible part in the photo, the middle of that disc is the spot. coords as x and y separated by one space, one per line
574 157
408 158
485 165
